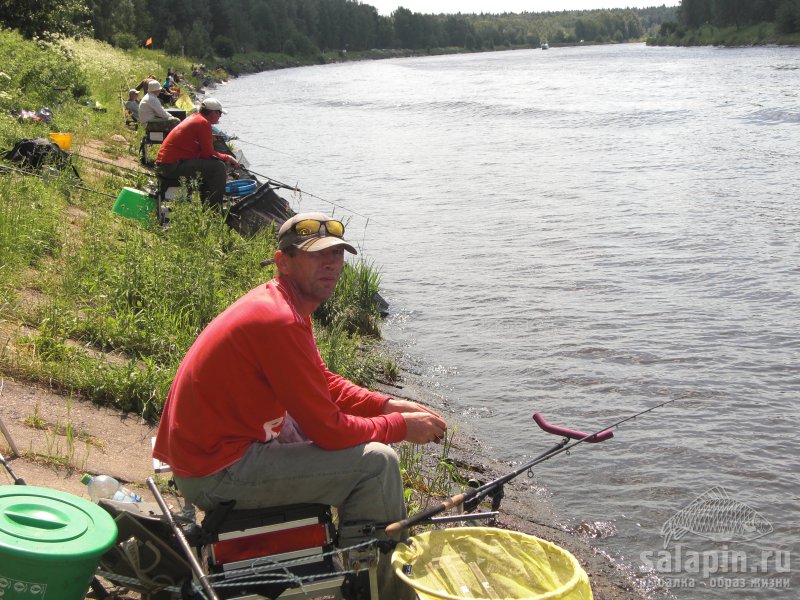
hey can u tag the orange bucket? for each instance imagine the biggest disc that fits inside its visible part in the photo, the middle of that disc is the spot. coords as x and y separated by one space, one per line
64 140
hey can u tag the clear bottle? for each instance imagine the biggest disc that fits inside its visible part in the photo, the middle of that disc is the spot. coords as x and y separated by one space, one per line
104 486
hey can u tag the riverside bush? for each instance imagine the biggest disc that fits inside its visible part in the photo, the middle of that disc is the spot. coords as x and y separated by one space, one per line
36 74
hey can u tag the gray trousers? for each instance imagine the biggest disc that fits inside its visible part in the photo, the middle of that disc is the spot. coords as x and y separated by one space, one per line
362 482
212 171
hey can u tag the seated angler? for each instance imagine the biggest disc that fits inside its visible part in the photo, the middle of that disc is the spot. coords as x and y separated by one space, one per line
132 104
151 113
188 151
254 415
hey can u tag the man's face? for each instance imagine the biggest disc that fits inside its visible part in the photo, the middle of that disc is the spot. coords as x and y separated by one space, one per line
313 274
214 116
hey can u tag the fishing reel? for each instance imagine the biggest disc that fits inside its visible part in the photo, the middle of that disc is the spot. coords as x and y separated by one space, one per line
496 493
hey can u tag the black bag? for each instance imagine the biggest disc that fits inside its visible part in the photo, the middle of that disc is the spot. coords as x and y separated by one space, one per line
258 210
38 153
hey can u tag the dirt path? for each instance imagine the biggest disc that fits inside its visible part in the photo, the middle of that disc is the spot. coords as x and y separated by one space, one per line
103 440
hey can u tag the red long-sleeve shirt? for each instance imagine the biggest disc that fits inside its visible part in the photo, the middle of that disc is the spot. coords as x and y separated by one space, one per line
253 363
191 138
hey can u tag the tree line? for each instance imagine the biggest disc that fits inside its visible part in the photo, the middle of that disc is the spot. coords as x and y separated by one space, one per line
694 14
222 28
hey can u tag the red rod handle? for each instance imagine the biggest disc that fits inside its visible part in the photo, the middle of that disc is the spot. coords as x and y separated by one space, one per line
571 433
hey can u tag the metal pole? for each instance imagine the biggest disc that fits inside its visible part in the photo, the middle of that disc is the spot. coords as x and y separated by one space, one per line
187 550
6 433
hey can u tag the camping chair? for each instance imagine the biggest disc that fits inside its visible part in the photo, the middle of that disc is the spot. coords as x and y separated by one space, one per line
154 134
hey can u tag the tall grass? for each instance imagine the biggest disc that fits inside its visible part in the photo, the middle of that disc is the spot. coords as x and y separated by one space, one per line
30 228
354 304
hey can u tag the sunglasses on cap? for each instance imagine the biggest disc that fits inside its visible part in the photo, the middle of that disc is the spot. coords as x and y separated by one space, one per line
313 226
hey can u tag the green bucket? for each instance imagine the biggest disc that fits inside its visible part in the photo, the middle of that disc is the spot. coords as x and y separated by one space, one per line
50 543
134 204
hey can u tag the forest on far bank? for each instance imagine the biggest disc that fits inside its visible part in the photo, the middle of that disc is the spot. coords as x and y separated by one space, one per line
206 29
732 22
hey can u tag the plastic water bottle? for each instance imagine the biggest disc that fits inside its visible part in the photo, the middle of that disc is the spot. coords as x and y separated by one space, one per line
103 486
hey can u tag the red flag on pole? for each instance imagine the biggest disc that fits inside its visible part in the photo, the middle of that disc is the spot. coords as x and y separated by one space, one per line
149 42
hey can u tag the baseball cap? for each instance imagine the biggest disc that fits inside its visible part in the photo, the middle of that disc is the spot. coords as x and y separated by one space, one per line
311 242
133 92
212 104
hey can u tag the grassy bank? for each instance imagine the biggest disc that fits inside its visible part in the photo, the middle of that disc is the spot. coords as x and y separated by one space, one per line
755 35
106 307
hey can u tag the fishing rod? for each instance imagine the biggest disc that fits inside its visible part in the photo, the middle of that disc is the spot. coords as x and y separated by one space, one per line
577 437
46 177
286 186
275 182
107 162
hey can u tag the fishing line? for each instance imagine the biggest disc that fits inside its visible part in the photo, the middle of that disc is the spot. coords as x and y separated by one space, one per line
294 188
237 138
484 490
286 186
48 177
106 162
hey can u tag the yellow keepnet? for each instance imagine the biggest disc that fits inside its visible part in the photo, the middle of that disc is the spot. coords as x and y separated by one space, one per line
488 563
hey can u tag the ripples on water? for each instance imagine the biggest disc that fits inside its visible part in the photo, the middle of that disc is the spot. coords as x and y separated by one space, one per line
586 232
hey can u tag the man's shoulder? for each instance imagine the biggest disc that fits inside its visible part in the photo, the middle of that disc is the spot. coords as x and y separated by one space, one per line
197 120
266 305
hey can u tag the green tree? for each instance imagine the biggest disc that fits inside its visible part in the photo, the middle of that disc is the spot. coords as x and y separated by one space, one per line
126 41
174 42
224 46
787 16
694 13
586 29
46 19
198 42
123 17
404 27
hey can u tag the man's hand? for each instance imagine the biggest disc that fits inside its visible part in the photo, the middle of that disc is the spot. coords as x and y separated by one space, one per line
231 161
424 427
405 406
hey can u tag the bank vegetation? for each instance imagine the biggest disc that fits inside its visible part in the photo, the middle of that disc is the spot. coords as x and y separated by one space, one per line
732 23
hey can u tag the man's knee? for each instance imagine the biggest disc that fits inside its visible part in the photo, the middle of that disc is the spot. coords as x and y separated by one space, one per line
380 458
381 454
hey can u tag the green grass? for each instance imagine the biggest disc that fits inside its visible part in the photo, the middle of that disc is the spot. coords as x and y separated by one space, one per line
428 478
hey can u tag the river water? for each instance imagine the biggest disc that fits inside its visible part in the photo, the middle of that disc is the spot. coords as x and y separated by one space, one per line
585 232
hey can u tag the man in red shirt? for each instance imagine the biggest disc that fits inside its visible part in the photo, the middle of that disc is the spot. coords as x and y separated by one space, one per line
254 415
188 151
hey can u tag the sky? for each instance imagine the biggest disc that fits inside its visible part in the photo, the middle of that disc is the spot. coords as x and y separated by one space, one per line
386 7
